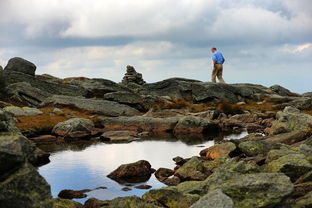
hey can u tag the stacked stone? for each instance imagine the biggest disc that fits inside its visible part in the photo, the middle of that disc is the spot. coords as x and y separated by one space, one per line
132 77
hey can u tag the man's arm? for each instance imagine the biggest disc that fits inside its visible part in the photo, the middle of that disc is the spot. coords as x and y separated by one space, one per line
214 60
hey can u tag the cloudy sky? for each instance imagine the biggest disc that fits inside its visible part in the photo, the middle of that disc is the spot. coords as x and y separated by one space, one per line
266 42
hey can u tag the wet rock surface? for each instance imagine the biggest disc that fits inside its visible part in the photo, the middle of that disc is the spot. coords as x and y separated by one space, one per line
139 171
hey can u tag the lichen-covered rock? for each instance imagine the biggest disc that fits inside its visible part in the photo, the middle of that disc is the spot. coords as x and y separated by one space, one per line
253 148
138 171
293 165
25 188
283 150
21 65
74 128
15 150
120 202
22 111
238 166
290 119
257 189
170 198
20 183
214 198
65 203
218 150
193 124
193 169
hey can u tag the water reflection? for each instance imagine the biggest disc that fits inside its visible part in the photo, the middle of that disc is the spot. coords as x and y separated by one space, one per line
85 165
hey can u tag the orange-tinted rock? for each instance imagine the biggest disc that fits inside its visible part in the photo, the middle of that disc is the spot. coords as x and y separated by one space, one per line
218 150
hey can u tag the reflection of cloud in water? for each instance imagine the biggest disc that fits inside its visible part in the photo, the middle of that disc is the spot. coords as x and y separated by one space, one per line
88 168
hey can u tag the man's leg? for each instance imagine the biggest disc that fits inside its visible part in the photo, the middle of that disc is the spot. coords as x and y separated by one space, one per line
214 74
219 73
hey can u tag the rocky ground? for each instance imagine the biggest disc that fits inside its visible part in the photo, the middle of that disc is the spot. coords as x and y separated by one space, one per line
271 167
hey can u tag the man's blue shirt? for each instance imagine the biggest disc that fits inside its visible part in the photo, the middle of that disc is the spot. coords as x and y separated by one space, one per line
218 57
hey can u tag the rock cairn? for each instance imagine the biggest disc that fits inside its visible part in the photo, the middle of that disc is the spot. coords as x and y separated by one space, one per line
132 77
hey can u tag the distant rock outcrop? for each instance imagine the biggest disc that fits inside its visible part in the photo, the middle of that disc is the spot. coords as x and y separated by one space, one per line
132 77
21 65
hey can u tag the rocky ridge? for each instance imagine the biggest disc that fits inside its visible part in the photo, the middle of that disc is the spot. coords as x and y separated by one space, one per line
271 167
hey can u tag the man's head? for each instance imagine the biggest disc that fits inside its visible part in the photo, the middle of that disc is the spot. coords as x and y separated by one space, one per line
213 50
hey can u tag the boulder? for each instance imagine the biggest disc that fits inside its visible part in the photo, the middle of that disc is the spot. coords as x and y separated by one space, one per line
25 188
22 111
163 173
24 93
20 183
257 189
75 128
105 107
254 148
194 169
115 136
214 198
218 150
65 203
141 123
293 165
120 202
15 150
169 198
137 171
290 119
171 181
192 124
287 138
72 194
21 65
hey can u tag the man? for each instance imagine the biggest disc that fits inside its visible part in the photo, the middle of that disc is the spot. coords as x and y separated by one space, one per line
218 61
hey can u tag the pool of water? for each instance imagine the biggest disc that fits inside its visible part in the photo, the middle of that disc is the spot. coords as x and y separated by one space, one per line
86 165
